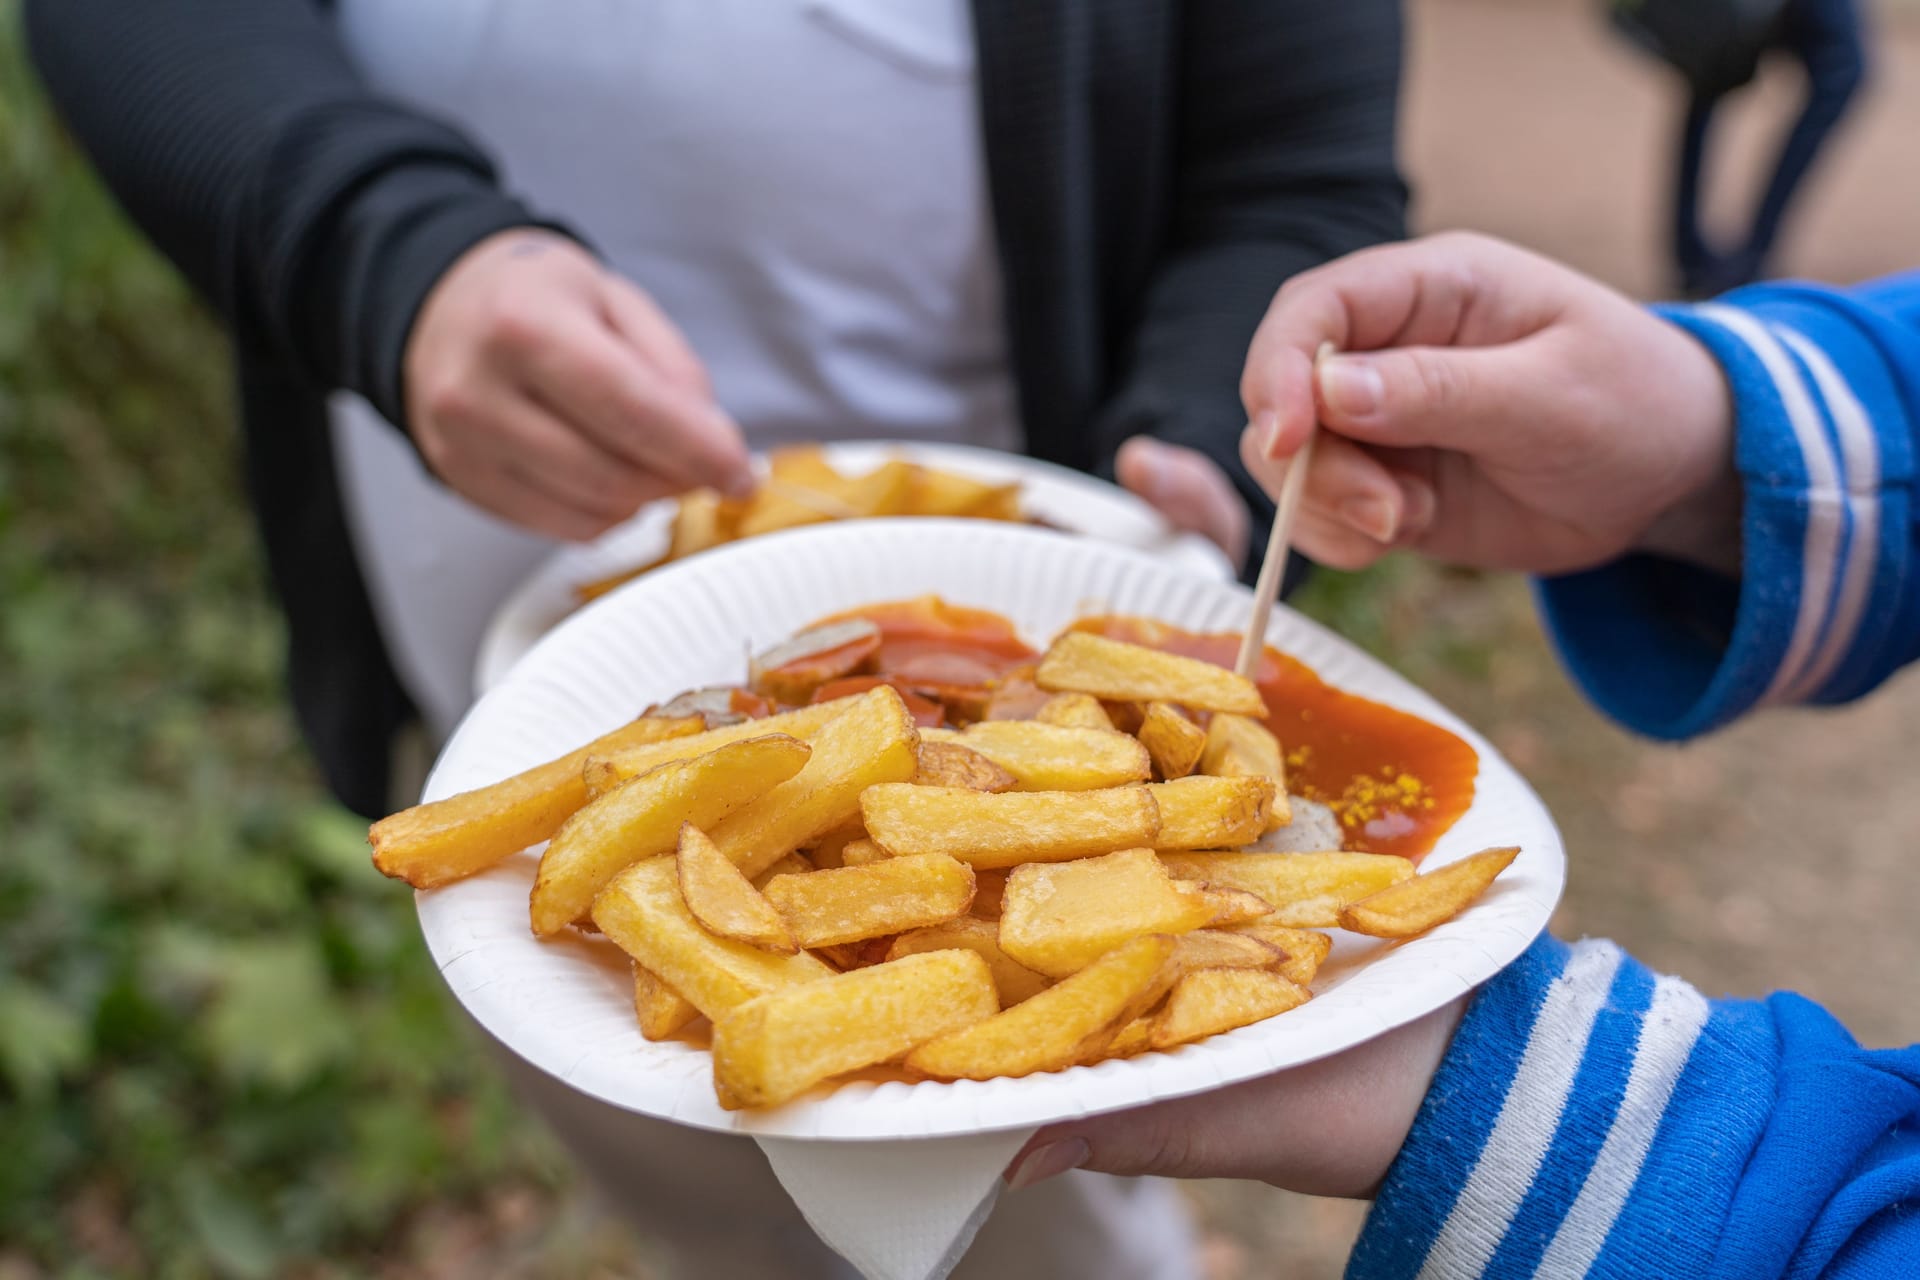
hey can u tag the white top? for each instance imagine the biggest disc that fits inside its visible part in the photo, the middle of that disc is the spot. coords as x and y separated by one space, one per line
800 184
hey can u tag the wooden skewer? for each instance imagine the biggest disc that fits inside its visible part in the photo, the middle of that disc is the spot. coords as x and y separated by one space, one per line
1273 569
812 499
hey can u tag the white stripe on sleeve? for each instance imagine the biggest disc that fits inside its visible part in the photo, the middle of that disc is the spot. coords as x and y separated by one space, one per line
1667 1036
1524 1128
1820 554
1860 455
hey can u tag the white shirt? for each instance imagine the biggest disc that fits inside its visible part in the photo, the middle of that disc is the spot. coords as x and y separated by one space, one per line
800 185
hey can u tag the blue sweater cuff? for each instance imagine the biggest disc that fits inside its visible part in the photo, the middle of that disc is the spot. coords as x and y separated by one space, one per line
1824 395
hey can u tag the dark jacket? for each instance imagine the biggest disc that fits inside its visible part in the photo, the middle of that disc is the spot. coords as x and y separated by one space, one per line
1157 168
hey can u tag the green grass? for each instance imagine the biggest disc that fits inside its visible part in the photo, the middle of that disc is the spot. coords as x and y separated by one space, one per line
222 1049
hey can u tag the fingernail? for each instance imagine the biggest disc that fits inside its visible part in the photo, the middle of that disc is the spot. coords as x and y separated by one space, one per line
1266 432
1049 1161
1371 515
1350 387
1420 505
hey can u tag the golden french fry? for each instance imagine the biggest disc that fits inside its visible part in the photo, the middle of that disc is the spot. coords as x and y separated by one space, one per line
861 853
1058 918
1050 757
1219 949
1074 1019
827 908
1003 504
1306 950
824 853
1074 711
1013 980
945 762
1206 1002
989 892
791 865
1199 812
643 913
641 818
872 742
1241 747
1174 742
662 1010
774 1048
446 840
887 490
723 901
1307 890
1081 662
943 493
805 465
1415 906
1234 906
607 769
791 670
1130 1041
991 831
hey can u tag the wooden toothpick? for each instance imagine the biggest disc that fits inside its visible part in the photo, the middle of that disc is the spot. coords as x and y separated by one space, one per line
1273 569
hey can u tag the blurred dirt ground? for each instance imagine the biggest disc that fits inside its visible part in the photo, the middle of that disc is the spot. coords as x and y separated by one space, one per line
1786 852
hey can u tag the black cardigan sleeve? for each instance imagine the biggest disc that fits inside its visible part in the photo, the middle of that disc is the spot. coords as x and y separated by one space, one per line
311 213
1285 159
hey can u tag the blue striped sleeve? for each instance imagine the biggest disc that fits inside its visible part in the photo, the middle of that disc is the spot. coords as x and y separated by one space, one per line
1593 1119
1826 389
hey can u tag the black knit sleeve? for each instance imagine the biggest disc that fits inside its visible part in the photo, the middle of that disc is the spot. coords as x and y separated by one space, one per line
1285 160
313 214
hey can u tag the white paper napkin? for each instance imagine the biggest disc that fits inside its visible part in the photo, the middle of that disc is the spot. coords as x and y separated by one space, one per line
903 1210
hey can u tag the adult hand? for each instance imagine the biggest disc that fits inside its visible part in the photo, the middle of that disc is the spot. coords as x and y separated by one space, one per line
1489 407
553 393
1186 487
1329 1128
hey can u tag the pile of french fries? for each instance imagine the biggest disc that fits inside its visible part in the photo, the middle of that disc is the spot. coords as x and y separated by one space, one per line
835 887
802 487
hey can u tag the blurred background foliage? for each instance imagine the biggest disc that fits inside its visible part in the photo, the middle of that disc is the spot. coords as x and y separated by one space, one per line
222 1049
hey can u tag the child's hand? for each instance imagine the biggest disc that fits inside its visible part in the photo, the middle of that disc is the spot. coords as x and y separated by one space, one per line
1330 1128
1493 408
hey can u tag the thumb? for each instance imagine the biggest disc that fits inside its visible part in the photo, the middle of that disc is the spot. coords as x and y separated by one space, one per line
1411 397
1189 489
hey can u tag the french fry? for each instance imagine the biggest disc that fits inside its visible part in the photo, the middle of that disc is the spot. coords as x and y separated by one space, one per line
1307 890
828 908
1081 662
1058 918
989 892
943 493
791 865
1130 1041
872 742
991 831
1074 711
862 853
1206 1002
1219 949
701 521
1013 980
1306 950
1174 742
1049 757
643 913
945 762
641 818
662 1010
887 490
824 853
774 1048
1234 906
446 840
1241 747
1074 1019
1415 906
605 769
722 900
1199 812
791 670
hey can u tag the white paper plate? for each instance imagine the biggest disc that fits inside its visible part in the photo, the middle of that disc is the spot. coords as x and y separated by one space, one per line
1063 497
566 1006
